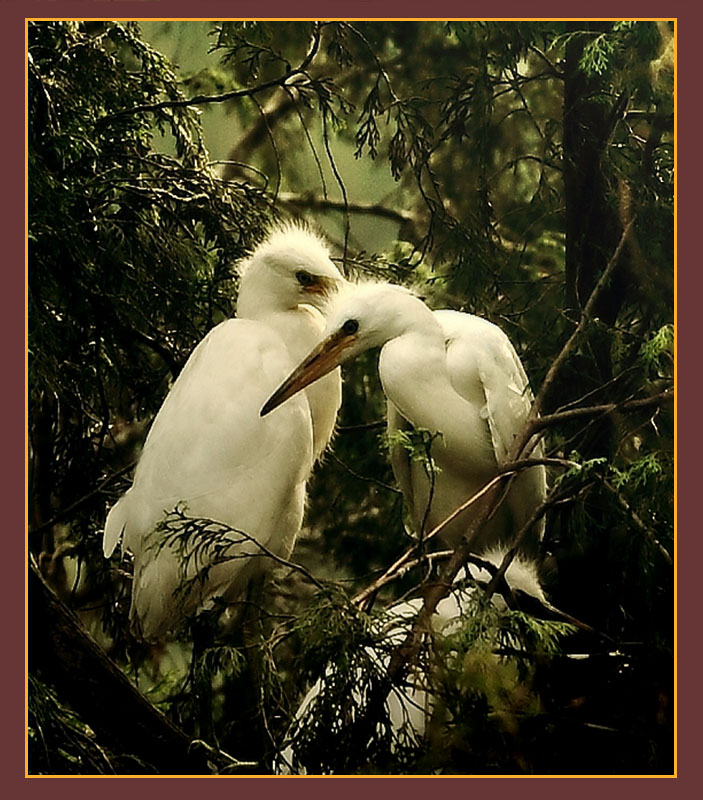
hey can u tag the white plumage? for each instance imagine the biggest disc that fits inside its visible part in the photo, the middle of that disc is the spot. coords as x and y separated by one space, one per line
411 705
209 449
450 373
458 376
484 371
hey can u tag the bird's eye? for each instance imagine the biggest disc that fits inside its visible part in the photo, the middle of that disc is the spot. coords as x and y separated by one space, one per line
304 278
350 327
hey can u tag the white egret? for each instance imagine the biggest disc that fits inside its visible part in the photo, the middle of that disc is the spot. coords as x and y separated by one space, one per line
450 373
412 706
209 449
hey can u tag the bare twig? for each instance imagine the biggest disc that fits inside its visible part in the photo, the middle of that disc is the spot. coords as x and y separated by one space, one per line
65 512
312 148
274 146
401 564
338 179
381 70
551 68
313 202
638 523
361 477
276 108
510 555
399 569
314 46
565 352
366 426
547 420
202 99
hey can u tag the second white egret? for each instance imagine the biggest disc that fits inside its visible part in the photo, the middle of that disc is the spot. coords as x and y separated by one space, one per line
452 374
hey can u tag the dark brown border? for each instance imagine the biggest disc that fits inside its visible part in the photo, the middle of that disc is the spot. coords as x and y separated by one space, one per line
12 14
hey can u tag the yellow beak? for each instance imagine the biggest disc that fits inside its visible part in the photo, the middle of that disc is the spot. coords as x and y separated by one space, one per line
323 359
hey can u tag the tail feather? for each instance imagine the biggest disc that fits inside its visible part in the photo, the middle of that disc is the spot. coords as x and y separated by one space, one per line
114 526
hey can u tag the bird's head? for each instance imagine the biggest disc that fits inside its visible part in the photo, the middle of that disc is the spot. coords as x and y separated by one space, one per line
292 266
359 317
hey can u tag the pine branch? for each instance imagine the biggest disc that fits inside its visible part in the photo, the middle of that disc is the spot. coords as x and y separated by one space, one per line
202 99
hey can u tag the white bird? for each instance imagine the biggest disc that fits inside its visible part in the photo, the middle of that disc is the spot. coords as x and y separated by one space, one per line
209 449
412 707
447 372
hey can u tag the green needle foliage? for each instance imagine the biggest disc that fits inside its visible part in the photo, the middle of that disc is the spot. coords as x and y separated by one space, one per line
59 742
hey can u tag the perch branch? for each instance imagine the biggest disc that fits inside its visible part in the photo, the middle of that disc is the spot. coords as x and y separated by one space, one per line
60 650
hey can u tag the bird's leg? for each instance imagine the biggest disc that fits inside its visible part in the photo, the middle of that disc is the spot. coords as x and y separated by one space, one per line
201 679
243 707
252 632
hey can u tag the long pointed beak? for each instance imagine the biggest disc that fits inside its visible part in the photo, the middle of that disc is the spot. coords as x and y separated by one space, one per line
323 359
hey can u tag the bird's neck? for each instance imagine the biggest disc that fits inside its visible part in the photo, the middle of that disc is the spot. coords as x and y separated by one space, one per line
415 378
262 292
300 328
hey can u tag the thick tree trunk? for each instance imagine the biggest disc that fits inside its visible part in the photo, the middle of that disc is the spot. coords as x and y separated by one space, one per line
593 224
62 653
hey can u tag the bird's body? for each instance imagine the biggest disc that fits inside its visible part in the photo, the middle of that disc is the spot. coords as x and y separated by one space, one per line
208 450
449 373
411 707
485 372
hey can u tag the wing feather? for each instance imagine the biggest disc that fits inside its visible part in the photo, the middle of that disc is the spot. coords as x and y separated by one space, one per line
481 358
482 361
208 447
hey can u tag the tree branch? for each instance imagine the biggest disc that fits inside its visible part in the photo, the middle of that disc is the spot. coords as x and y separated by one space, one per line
63 653
401 565
585 318
641 527
312 202
202 99
548 420
398 570
491 492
